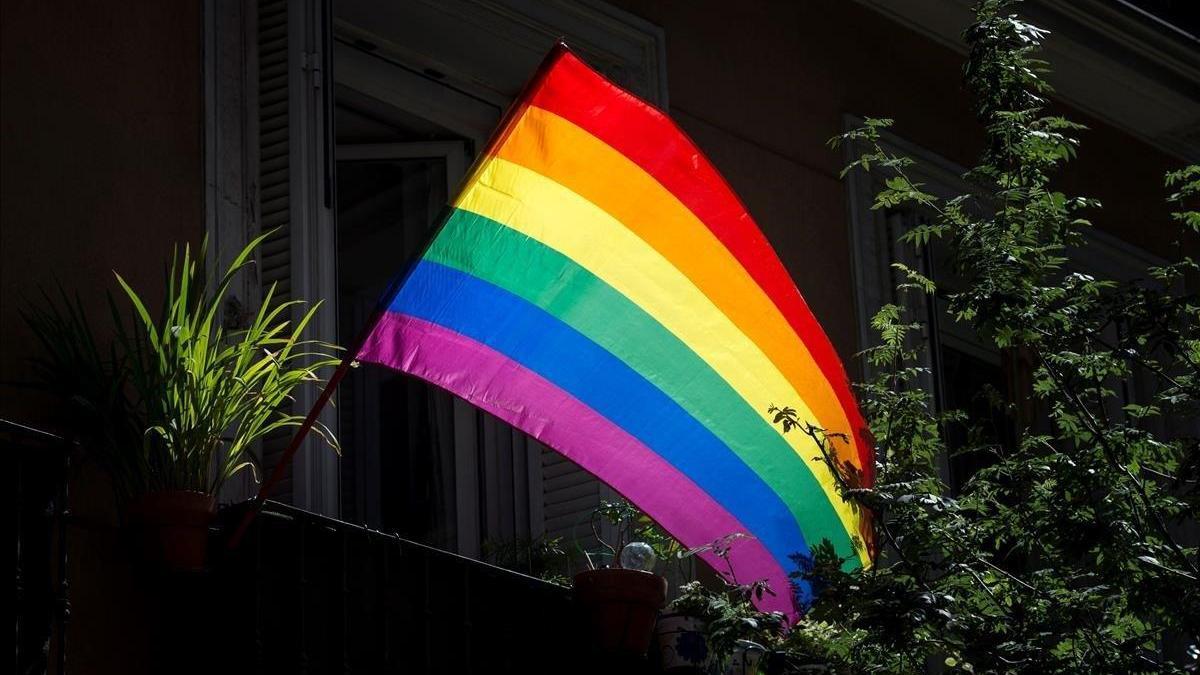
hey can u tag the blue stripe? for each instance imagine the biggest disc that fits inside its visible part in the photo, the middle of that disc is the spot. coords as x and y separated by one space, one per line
534 338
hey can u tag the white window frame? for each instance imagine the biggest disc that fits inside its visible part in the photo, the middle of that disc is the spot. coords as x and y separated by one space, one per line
466 468
390 73
626 47
1103 256
871 257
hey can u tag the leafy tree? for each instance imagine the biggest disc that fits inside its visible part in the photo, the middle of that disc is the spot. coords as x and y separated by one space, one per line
1068 552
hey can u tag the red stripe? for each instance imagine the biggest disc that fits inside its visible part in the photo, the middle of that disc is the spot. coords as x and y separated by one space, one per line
653 141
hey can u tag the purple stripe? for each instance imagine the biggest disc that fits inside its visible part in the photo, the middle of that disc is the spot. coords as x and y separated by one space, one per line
534 405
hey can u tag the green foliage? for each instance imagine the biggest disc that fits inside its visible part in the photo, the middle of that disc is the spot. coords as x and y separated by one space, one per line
177 402
90 383
1064 553
542 557
1072 550
1187 180
729 615
628 524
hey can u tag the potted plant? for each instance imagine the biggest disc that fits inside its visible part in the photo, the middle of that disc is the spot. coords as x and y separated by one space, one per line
681 631
621 606
717 630
738 634
173 409
621 601
542 557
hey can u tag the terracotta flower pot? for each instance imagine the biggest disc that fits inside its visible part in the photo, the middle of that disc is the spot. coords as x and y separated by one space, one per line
621 606
170 528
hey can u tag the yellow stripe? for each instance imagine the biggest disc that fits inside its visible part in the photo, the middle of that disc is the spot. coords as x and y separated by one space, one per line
553 215
567 154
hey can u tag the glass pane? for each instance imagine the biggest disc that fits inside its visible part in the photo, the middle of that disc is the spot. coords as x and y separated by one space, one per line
966 382
398 467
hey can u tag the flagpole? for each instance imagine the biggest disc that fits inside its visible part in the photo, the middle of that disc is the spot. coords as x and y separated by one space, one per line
503 128
302 432
331 384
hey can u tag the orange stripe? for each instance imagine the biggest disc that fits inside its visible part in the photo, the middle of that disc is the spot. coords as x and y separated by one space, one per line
654 142
563 152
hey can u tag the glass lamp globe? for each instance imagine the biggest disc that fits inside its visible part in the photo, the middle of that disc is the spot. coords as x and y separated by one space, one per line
638 555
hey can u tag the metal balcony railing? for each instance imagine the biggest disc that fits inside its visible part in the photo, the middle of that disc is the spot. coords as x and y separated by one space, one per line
302 593
314 594
38 462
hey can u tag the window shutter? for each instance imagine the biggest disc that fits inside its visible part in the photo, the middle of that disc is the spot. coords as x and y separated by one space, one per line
294 187
274 140
295 204
569 495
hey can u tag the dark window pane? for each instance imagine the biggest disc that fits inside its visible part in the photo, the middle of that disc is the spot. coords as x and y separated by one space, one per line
397 473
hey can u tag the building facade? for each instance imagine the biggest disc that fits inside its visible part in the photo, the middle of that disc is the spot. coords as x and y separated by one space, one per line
343 126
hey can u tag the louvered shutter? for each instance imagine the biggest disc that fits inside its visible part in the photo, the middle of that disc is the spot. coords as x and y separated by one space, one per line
569 496
293 175
274 141
295 202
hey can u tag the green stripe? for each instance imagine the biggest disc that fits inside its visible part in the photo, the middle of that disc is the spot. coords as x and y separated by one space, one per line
546 278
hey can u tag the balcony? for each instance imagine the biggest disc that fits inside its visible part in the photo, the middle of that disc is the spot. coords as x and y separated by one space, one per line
307 593
303 593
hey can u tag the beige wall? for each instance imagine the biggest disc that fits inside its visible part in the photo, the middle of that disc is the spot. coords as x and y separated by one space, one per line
761 86
100 106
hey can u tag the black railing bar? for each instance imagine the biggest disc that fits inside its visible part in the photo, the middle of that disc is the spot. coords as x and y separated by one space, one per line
62 512
467 625
20 589
387 617
283 517
17 428
59 517
342 534
260 654
303 599
287 509
427 610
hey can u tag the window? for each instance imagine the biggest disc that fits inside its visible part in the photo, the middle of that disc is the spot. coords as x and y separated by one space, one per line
363 117
395 431
958 360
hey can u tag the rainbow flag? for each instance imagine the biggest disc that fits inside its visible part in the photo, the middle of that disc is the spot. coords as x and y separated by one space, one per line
598 285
